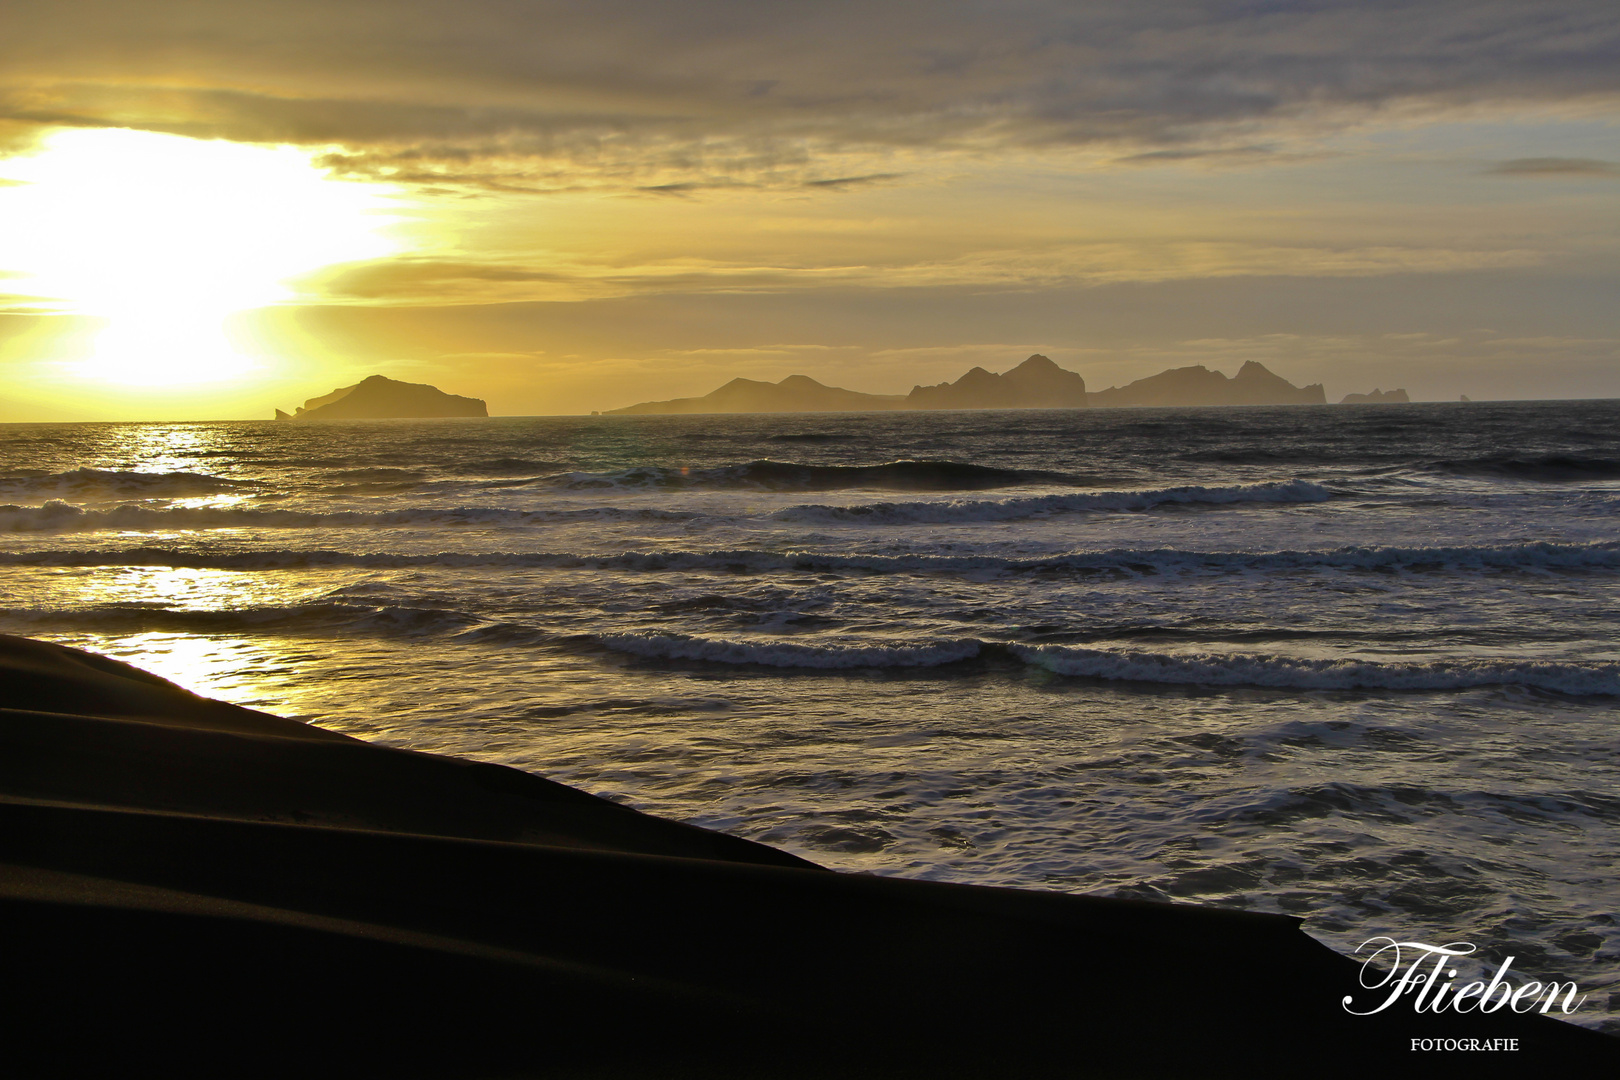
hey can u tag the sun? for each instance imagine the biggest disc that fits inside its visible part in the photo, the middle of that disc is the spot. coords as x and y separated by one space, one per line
164 237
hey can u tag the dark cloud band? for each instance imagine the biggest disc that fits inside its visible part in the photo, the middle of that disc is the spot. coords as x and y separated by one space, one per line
429 89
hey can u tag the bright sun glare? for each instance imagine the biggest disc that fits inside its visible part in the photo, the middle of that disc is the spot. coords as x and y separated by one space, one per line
165 237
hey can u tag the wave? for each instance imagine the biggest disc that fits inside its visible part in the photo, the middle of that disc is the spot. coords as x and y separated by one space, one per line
1186 669
810 437
1212 669
1286 456
504 466
1598 555
325 617
1546 468
58 516
790 654
977 510
1602 555
387 475
766 475
312 618
106 483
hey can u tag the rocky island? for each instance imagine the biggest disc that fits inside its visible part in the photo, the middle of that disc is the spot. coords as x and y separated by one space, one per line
1377 397
796 393
1198 385
381 398
1037 383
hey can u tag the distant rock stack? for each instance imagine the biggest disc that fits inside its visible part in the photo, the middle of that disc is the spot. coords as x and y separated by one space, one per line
380 398
1378 397
1037 383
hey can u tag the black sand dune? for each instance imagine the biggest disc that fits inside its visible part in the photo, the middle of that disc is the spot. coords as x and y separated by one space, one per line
190 888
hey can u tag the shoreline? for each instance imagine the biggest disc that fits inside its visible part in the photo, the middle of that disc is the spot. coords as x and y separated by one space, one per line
209 875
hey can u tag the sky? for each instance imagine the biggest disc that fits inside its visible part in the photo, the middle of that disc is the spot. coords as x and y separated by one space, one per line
208 210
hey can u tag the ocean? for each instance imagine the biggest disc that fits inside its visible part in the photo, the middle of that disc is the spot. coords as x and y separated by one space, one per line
1356 664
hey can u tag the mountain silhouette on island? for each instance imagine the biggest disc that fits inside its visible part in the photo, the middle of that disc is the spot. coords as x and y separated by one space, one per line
1197 385
381 398
1037 383
796 393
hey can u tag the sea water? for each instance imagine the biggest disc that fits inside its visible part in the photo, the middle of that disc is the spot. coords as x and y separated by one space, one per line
1356 664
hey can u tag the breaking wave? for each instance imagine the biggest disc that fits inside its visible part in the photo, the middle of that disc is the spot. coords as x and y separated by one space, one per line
1183 669
766 475
965 510
1211 669
57 515
790 654
1546 468
114 484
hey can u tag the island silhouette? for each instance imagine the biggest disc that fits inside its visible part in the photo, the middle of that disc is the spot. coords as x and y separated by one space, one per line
382 398
1037 383
1254 384
1378 397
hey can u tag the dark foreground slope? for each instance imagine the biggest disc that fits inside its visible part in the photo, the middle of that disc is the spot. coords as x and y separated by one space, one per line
192 889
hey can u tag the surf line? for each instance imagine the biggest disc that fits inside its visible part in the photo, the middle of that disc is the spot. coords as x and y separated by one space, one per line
1412 979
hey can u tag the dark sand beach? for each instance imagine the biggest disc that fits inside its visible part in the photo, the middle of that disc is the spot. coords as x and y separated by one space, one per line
199 889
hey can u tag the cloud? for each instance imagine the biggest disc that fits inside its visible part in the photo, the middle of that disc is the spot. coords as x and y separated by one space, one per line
778 178
22 305
841 182
1556 166
421 281
1232 155
648 94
